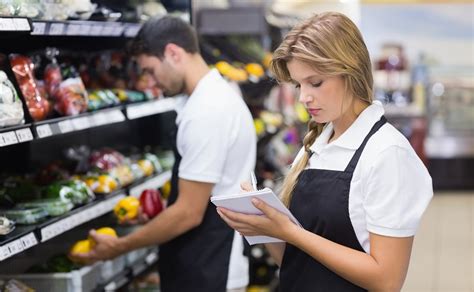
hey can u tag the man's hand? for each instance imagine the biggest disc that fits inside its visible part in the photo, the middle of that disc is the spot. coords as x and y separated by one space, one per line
106 247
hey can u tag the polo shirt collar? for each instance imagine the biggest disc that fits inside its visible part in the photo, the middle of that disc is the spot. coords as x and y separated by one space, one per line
352 138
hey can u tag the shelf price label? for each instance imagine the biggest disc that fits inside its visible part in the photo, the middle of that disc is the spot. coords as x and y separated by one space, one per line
29 240
6 24
56 29
8 138
15 247
24 135
81 123
115 116
107 30
38 28
65 126
21 24
73 29
44 131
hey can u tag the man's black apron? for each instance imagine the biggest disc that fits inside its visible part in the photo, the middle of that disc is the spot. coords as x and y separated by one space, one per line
320 202
199 259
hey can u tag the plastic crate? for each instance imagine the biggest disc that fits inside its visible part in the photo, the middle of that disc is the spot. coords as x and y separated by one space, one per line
82 280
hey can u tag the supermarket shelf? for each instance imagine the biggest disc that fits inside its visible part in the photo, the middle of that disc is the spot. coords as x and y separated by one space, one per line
15 135
52 127
84 121
151 183
128 274
15 24
85 28
24 237
144 109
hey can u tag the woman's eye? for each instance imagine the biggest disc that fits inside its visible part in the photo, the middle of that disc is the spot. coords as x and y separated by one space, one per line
317 84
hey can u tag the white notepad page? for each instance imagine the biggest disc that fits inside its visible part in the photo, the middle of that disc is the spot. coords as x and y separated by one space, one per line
242 203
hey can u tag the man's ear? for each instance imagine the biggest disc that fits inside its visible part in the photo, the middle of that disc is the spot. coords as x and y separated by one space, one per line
173 52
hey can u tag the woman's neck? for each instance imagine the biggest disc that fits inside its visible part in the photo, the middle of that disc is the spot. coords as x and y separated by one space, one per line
347 119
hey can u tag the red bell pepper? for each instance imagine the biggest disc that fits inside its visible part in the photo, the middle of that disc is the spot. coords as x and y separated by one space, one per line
150 201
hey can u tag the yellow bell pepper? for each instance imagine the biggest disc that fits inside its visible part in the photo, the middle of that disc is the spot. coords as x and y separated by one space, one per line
127 208
105 231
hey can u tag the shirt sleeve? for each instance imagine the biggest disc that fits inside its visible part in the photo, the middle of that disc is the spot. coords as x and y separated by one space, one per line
203 143
398 191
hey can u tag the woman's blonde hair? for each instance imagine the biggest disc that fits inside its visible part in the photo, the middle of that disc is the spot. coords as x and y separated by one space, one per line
333 46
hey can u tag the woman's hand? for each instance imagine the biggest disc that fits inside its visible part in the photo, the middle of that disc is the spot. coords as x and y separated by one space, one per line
272 223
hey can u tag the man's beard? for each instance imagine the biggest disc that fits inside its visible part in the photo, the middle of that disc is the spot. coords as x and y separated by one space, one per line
175 90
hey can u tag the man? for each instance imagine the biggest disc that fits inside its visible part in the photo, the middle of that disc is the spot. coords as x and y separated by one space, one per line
215 151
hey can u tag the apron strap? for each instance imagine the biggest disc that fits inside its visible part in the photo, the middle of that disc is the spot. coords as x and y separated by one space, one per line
355 159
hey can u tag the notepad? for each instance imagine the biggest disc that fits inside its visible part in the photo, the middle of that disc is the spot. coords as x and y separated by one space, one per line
242 203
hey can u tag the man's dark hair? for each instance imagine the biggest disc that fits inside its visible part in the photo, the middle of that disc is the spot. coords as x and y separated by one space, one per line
156 33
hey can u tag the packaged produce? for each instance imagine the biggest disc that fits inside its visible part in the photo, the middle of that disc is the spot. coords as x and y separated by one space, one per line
105 159
102 98
75 191
123 173
25 215
54 207
155 161
137 171
19 189
14 285
150 201
11 107
129 95
127 208
6 225
101 184
166 159
35 97
146 166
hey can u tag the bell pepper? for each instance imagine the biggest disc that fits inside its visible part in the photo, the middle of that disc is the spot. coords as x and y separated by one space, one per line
127 208
150 200
105 231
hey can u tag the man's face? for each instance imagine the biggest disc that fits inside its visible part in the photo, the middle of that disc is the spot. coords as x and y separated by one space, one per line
167 77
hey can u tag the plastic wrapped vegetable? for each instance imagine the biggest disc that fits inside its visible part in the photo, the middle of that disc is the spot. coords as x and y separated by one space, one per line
11 107
105 159
36 101
75 191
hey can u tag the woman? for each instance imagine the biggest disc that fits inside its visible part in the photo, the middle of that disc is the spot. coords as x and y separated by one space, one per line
357 187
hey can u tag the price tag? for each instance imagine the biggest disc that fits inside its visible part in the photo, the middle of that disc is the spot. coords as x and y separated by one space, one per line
50 231
85 29
118 30
6 24
96 30
115 116
38 28
4 252
73 29
44 131
132 30
81 123
29 240
24 135
65 126
56 29
107 30
100 119
21 24
9 138
15 247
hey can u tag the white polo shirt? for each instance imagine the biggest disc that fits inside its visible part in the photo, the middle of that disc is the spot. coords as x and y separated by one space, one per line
217 141
390 187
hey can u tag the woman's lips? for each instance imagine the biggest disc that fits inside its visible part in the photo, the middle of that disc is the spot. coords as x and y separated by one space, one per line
314 111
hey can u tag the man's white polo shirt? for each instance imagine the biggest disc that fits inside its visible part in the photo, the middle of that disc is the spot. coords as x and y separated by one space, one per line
217 141
390 188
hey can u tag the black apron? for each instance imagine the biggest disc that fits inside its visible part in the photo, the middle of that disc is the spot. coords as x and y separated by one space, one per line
197 260
320 202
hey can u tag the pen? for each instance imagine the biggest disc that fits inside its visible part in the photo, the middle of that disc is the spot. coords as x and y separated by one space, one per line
254 180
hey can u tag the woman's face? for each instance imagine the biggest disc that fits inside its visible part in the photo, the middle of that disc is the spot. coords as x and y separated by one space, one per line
323 97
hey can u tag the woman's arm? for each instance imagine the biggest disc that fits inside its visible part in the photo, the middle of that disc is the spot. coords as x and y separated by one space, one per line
384 269
276 250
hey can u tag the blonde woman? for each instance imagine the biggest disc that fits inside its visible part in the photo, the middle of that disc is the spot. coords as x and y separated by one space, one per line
357 186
